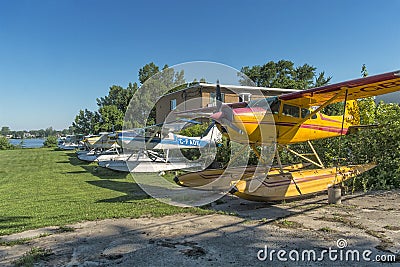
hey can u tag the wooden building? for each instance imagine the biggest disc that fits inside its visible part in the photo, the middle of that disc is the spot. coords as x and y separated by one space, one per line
202 95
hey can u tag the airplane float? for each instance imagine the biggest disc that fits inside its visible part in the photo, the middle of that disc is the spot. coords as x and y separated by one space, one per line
288 119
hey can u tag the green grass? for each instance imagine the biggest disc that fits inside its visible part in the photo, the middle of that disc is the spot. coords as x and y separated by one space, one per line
45 187
392 227
288 224
33 256
14 242
327 230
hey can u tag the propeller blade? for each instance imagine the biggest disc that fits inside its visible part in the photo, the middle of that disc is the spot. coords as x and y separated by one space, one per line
229 123
225 117
218 97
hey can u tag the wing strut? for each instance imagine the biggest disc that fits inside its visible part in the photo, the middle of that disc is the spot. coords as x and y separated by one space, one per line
303 156
278 159
341 134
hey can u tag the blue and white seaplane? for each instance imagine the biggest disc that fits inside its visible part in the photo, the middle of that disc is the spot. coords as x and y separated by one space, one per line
160 151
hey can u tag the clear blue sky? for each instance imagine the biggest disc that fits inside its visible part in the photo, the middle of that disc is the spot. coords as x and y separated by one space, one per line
57 57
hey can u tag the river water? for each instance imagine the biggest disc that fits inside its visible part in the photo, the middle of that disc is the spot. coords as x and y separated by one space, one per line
28 143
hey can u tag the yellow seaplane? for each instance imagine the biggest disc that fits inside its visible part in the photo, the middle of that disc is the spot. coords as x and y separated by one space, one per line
289 119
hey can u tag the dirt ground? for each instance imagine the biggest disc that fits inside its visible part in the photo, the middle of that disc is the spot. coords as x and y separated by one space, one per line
239 237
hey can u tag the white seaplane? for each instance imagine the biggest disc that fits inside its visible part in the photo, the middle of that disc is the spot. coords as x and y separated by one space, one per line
102 145
156 148
157 153
71 142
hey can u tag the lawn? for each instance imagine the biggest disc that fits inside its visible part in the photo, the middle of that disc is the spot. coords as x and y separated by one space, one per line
44 187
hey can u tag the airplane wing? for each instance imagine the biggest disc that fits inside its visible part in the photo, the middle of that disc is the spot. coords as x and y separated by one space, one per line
199 112
356 89
206 112
172 126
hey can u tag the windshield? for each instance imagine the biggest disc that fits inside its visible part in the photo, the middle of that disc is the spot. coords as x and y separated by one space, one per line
273 103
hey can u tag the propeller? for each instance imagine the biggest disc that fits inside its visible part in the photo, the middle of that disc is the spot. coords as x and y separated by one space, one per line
224 114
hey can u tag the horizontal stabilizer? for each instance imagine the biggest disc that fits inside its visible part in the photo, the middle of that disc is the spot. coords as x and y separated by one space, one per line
356 128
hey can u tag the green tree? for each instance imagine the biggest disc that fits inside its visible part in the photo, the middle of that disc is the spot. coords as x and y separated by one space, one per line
367 106
50 131
51 141
118 97
283 74
380 145
5 143
195 130
143 102
364 71
41 133
321 80
5 130
86 122
111 119
148 71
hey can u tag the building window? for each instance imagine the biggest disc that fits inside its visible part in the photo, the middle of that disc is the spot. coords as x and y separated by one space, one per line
172 104
244 97
213 99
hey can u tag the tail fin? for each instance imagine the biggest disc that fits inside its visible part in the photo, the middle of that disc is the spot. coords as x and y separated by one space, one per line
352 115
212 133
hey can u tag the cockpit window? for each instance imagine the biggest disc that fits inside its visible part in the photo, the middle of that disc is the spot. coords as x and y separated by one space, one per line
273 103
292 111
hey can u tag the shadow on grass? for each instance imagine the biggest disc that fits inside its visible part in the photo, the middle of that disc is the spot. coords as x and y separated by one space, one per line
93 168
63 161
104 173
75 172
131 190
73 159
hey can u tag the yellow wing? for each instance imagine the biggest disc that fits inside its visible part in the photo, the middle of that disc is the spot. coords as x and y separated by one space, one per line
356 89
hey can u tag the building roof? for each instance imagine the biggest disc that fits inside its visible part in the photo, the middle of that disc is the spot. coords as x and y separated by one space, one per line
240 89
248 88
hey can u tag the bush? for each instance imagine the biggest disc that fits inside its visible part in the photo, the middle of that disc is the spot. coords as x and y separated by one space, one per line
51 141
5 143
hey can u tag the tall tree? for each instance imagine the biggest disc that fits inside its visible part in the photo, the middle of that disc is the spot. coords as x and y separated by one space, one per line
113 107
142 105
367 106
49 131
111 119
86 122
364 71
147 71
284 74
321 80
5 130
118 97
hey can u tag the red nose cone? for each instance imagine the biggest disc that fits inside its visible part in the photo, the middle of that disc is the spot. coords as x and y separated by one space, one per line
216 116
